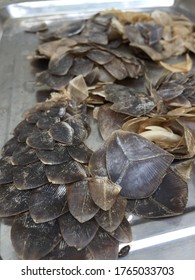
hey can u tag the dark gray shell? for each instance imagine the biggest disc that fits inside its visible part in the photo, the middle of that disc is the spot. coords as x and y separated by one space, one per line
170 198
103 246
6 171
64 252
27 168
111 219
93 46
132 162
77 234
13 201
48 203
33 241
128 100
84 209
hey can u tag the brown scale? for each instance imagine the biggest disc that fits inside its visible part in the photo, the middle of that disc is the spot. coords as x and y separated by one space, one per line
80 202
68 202
96 48
46 185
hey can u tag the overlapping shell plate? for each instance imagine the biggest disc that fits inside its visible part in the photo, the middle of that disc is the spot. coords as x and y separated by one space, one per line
67 208
95 51
46 185
69 202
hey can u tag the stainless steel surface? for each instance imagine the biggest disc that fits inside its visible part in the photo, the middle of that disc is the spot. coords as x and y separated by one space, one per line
171 238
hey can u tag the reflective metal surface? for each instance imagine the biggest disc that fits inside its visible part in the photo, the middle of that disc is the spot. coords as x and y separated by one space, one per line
171 238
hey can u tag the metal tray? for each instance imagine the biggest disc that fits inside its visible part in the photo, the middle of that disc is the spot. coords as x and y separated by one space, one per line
171 238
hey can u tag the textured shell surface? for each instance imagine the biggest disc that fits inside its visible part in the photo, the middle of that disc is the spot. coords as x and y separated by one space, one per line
70 201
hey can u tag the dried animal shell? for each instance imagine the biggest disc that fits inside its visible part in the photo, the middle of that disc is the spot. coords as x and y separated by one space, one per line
63 252
103 246
138 166
53 81
62 132
65 173
77 89
119 159
59 155
60 64
72 28
128 16
12 201
128 172
179 67
158 134
169 199
128 101
159 35
98 38
79 130
183 169
9 147
6 171
45 122
111 219
47 203
130 206
33 241
84 209
97 162
93 48
93 76
116 68
123 232
176 90
23 130
99 56
183 112
105 76
80 153
38 183
81 66
103 192
24 155
30 176
41 139
48 48
166 132
109 120
76 234
124 251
